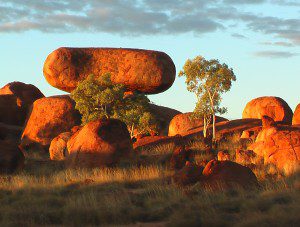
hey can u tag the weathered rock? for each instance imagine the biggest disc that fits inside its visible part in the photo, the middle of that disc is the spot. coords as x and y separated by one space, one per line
16 99
296 117
251 133
183 123
227 174
274 107
191 173
139 70
58 147
99 143
279 146
223 156
49 117
11 158
267 122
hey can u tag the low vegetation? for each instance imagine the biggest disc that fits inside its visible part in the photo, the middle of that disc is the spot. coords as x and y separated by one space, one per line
45 193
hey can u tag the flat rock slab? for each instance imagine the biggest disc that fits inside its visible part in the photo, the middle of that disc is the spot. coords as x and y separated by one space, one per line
146 71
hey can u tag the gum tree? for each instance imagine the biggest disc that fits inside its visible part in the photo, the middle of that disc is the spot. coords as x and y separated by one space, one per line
100 98
208 79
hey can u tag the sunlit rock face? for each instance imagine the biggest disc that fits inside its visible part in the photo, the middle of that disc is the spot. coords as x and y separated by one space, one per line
49 117
147 71
273 107
99 143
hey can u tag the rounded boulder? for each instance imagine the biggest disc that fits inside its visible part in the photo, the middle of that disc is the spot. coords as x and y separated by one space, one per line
48 118
227 174
146 71
98 144
273 107
182 123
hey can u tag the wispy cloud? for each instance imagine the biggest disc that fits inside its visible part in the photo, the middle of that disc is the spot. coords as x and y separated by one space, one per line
283 44
275 54
145 17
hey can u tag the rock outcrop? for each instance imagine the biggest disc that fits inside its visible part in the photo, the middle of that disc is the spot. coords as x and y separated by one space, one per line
296 117
99 143
227 174
146 71
280 146
273 107
183 123
11 157
49 117
16 99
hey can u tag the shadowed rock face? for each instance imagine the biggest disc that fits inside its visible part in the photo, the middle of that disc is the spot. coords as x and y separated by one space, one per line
11 157
16 99
49 117
147 71
296 117
273 107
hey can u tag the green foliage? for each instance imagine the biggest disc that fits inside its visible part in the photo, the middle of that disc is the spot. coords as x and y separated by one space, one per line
208 79
100 98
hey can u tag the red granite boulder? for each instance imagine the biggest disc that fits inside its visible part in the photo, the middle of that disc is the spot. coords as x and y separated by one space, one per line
146 71
273 107
49 117
98 144
183 123
227 175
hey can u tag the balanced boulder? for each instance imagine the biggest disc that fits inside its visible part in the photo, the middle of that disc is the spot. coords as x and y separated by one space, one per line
296 117
49 117
11 157
227 174
183 123
273 107
16 99
99 143
146 71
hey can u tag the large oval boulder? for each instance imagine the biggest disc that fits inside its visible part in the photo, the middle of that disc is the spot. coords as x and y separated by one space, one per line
270 106
99 143
48 118
11 157
16 99
296 117
146 71
279 146
227 174
183 123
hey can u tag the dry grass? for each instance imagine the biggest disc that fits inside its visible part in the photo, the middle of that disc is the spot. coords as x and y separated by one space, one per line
46 193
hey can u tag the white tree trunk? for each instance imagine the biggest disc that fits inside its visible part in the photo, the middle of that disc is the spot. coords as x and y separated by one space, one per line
214 126
204 127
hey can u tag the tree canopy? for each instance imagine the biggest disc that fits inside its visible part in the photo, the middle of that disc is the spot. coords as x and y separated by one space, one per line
100 98
208 79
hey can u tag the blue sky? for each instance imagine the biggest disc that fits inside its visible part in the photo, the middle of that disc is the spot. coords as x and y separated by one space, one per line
259 39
